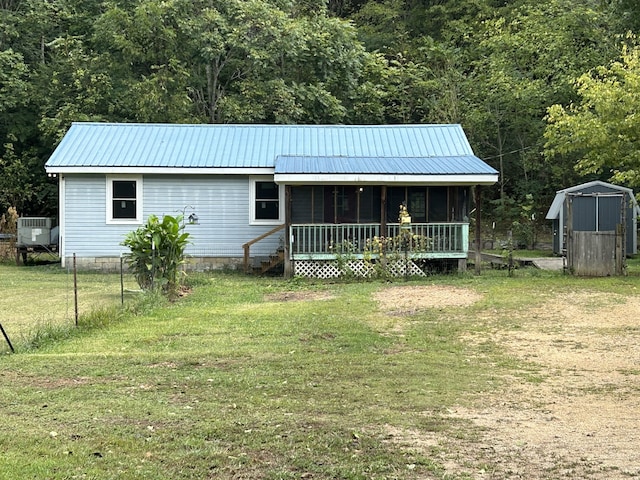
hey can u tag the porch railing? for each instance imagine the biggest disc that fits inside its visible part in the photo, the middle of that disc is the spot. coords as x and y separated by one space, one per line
427 240
247 246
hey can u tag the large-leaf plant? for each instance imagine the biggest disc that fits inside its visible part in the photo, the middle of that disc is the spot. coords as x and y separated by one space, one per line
157 251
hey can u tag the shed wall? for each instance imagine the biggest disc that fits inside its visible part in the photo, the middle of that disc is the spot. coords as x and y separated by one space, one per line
588 217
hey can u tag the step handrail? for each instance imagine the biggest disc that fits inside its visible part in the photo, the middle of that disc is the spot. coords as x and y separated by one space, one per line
247 246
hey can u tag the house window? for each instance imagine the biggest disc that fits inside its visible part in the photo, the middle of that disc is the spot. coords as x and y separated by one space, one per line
124 200
266 204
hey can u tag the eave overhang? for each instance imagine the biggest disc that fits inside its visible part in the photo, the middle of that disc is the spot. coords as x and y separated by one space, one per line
434 170
160 170
382 179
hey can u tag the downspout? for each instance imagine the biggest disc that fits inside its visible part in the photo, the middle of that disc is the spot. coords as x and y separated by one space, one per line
561 237
62 250
634 225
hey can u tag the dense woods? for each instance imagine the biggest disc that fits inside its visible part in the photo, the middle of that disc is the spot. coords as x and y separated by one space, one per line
546 90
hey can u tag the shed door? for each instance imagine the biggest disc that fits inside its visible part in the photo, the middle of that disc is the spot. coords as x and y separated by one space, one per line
584 214
594 213
609 213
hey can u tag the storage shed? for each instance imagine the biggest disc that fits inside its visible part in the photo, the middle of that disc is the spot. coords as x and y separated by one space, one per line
597 206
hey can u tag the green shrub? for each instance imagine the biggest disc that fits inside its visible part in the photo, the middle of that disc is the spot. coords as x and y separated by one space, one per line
157 251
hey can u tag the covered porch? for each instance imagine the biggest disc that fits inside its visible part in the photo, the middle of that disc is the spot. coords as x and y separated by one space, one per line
371 241
343 213
358 228
366 250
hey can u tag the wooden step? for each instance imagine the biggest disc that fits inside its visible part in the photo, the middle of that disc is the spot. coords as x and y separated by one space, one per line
273 261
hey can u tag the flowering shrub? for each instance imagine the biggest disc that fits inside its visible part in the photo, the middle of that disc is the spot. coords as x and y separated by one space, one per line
344 247
381 246
381 252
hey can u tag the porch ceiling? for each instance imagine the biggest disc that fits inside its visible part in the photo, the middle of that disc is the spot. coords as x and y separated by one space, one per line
443 170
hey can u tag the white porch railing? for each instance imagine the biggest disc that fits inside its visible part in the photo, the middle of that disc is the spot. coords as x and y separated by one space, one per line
422 240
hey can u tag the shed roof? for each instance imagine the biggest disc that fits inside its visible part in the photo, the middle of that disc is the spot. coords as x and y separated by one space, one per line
594 186
183 148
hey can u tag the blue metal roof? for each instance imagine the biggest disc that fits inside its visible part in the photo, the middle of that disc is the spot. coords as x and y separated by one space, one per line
438 165
88 146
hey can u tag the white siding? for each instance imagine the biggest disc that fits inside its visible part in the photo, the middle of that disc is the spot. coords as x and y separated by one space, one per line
86 233
221 203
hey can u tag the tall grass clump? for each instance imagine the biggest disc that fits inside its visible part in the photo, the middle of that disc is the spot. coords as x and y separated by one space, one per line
46 333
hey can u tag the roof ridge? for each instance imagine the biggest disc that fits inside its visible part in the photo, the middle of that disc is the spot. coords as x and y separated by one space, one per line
267 125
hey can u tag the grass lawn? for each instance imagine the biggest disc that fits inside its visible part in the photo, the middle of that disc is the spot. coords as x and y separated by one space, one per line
238 380
42 296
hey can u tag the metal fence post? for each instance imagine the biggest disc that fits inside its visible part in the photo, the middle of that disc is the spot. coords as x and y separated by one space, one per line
6 337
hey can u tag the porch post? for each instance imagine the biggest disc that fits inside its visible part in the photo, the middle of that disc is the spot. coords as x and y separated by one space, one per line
478 200
288 263
383 213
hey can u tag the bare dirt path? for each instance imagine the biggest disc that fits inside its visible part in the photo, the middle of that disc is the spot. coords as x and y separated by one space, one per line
574 414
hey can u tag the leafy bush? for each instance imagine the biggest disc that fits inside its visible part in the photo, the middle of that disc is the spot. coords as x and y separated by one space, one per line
157 251
8 225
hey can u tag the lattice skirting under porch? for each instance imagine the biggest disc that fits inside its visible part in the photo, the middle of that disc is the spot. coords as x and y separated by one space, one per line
358 268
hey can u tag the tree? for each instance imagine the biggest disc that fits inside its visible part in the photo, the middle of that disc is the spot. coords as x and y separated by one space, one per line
494 66
16 178
229 61
626 13
601 130
37 36
522 63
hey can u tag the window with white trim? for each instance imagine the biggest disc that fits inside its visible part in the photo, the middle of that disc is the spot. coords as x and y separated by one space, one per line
267 205
124 199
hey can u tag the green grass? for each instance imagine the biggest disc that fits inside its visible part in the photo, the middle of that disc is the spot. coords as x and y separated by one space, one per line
40 298
227 383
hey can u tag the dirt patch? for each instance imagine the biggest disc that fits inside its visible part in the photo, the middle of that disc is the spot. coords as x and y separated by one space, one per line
406 300
298 296
573 414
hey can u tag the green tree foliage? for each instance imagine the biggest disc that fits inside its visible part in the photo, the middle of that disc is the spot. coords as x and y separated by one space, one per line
22 179
626 14
157 251
34 32
495 66
231 61
600 131
165 61
524 61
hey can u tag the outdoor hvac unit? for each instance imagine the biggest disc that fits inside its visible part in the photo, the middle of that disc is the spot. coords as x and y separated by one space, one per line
34 230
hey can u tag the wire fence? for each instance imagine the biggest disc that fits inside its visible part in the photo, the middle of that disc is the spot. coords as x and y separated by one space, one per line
44 296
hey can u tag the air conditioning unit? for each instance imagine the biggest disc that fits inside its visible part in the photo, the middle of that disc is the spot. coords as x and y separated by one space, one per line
34 230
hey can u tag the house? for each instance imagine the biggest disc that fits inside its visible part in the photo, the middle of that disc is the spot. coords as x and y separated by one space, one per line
304 193
596 207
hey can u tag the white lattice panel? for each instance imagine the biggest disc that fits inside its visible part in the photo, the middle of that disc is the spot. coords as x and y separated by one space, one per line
400 268
316 269
358 268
